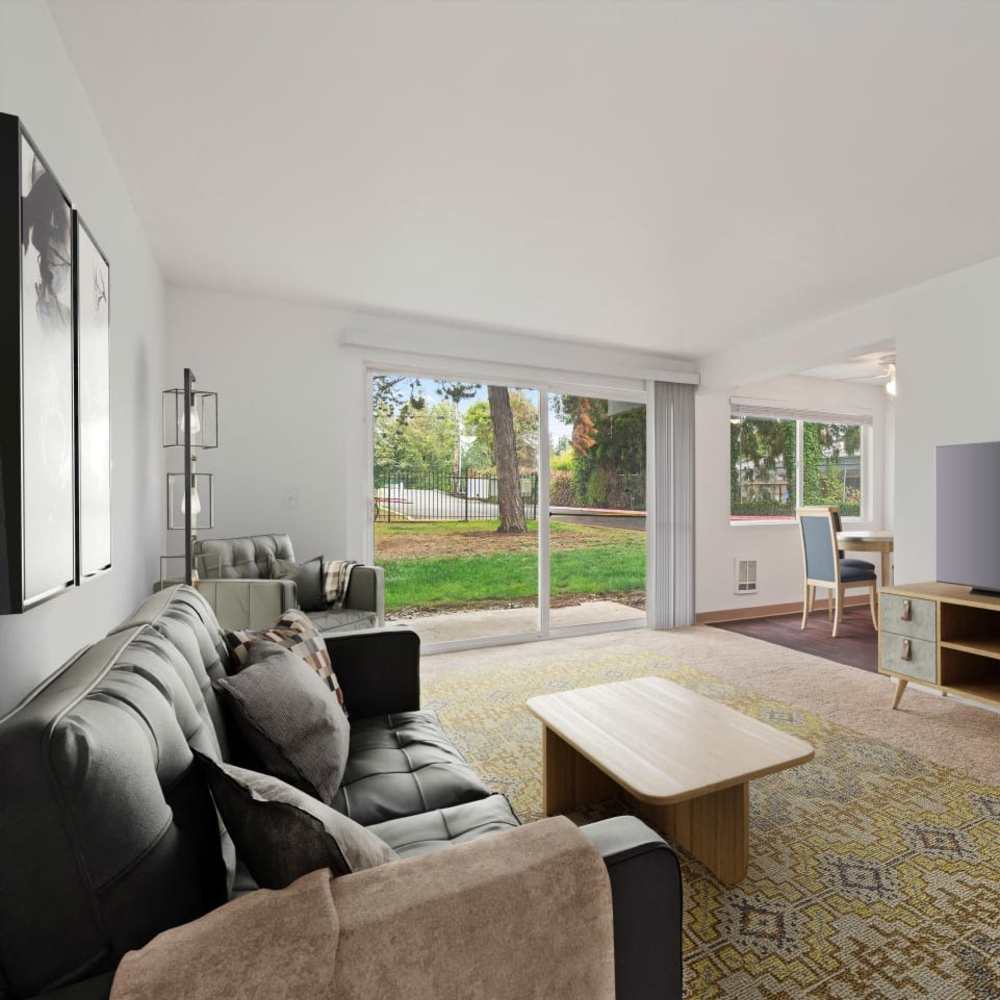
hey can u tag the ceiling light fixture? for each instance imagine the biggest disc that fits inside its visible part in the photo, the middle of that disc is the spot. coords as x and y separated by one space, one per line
890 386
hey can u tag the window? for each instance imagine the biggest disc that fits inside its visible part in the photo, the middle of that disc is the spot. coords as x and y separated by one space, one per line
762 468
782 461
831 466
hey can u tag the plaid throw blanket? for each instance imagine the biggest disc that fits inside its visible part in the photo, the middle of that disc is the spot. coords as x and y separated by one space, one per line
336 579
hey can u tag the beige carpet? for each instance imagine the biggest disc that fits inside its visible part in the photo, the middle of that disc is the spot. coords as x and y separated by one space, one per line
873 868
945 731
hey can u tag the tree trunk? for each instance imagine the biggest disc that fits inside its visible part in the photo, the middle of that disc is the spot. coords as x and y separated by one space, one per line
505 457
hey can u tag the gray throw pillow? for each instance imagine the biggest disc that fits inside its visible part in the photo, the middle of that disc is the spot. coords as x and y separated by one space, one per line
282 834
308 578
290 720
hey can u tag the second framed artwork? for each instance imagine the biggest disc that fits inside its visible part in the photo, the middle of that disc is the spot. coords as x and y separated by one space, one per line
93 404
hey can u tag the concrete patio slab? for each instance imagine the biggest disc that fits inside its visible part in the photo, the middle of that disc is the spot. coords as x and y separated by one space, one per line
454 626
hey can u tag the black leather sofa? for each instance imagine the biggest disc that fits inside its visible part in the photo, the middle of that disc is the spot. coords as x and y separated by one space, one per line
108 834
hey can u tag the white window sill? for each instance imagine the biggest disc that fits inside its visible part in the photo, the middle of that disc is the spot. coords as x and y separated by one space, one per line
847 523
763 523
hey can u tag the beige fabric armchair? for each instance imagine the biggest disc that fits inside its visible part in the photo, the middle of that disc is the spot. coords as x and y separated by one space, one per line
234 573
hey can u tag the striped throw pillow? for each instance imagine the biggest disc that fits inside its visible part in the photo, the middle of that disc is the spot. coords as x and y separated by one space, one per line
297 633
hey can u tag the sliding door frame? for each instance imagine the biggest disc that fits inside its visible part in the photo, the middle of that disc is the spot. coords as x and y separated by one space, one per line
545 384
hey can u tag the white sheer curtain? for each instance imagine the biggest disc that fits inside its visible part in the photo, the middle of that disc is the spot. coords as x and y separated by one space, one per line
672 586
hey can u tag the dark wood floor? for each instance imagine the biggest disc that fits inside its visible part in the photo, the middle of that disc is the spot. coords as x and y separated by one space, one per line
856 643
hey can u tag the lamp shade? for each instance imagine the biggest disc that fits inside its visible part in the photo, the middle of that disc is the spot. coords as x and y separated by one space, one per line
204 419
202 501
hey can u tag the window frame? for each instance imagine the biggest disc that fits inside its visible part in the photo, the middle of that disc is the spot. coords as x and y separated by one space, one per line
802 417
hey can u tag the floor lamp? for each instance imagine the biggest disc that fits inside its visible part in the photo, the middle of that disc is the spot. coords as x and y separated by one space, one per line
191 422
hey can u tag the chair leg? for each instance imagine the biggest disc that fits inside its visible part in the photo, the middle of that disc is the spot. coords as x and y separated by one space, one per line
873 603
838 610
812 599
829 605
806 602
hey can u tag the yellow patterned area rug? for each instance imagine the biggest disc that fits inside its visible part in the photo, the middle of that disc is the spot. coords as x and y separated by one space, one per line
873 873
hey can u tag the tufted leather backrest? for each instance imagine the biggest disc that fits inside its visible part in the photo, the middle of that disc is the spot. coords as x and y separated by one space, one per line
240 558
107 832
183 617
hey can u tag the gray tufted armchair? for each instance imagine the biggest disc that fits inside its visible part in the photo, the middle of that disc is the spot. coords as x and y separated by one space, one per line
234 576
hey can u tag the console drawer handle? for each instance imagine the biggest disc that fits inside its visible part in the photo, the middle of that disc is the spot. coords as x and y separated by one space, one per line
907 614
907 653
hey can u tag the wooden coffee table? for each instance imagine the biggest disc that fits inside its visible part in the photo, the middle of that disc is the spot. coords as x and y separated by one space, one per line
685 761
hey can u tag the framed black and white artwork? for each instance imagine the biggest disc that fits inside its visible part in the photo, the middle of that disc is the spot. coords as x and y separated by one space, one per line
93 404
37 374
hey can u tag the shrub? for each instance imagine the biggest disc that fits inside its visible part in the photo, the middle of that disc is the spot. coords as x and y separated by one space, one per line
562 492
597 488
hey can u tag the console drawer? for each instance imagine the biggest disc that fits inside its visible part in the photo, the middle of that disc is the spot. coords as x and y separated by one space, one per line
916 658
909 616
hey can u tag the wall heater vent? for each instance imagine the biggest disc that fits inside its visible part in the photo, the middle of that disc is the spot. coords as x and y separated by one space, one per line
744 576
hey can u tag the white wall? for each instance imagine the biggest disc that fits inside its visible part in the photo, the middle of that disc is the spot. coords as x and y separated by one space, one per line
287 412
39 84
889 466
775 547
948 365
293 405
294 438
947 358
947 337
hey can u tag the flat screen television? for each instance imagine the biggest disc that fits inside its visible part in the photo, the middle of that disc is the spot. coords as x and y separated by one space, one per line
968 515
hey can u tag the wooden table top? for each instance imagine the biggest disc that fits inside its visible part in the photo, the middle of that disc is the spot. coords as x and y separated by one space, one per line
664 743
864 536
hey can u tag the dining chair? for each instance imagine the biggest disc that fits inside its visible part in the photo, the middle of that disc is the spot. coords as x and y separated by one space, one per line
838 527
823 565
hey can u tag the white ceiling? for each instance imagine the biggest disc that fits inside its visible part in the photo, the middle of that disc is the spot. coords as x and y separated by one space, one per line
672 176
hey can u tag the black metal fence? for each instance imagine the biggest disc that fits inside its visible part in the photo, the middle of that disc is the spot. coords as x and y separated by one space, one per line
421 495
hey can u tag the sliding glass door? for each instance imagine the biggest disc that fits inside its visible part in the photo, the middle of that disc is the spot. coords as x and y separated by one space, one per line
503 512
597 510
455 506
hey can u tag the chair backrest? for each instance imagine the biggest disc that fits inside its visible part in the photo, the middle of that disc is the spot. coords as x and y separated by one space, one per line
247 558
817 526
837 527
107 832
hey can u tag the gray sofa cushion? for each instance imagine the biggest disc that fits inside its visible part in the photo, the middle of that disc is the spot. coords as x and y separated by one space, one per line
291 721
431 831
282 833
308 580
342 620
400 765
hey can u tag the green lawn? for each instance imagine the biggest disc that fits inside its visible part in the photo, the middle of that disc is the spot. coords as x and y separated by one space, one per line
602 561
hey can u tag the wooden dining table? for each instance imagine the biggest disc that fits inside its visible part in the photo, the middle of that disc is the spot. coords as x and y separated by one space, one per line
870 541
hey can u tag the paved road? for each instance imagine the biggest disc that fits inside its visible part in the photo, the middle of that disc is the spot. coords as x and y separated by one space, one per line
429 505
436 505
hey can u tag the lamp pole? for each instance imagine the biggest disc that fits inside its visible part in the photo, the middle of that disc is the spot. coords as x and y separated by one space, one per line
189 381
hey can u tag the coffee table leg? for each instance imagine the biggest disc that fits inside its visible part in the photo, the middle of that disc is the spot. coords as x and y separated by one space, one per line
569 779
715 828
